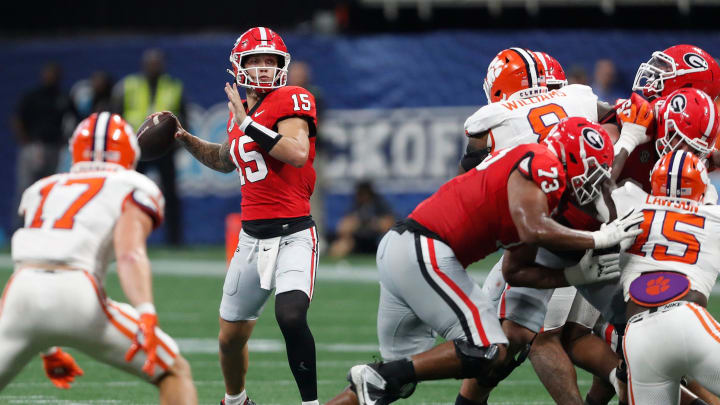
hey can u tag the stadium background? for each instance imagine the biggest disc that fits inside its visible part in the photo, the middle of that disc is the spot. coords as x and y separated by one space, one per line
398 77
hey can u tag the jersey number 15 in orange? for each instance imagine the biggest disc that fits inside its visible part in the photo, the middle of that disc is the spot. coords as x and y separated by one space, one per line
669 230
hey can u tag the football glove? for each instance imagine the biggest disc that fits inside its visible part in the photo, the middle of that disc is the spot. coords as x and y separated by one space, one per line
592 269
146 340
61 368
635 115
618 230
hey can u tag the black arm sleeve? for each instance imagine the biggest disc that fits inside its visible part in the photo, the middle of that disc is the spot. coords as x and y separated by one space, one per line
472 158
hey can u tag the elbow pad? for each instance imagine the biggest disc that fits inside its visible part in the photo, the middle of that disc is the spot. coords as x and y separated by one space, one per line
473 158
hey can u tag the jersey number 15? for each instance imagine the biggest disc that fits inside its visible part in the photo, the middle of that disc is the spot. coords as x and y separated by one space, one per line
669 230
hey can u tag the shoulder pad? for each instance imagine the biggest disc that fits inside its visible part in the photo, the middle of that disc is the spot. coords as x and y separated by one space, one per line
486 118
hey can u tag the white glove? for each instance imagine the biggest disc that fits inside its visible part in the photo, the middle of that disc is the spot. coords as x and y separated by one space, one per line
631 136
592 269
618 230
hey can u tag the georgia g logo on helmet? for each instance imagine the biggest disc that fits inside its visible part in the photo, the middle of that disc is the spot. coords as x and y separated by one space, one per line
593 138
678 103
695 60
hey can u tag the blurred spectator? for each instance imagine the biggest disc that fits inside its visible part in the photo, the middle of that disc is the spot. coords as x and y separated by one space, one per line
300 74
38 125
361 229
137 96
93 94
577 75
605 81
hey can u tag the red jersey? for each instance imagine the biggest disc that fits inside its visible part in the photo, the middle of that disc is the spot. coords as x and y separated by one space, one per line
471 212
273 189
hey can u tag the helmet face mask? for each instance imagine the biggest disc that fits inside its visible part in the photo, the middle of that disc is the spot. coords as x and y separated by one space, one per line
586 152
688 117
259 41
586 187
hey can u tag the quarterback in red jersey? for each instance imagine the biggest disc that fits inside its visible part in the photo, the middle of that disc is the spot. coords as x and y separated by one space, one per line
271 144
425 291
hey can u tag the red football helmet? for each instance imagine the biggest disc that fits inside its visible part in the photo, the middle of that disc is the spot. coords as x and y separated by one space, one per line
689 116
105 137
554 73
259 40
678 67
514 73
680 174
586 152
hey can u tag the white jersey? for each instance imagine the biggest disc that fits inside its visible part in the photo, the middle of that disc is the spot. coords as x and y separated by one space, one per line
678 235
529 120
70 217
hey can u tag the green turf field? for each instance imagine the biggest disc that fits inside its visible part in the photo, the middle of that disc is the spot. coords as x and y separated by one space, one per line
342 318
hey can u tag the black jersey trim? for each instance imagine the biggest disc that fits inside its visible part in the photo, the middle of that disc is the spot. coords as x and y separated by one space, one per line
271 228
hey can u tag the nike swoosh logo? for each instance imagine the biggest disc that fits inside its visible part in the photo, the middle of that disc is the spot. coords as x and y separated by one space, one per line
265 250
257 114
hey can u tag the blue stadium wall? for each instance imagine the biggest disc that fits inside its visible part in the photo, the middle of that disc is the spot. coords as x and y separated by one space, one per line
395 103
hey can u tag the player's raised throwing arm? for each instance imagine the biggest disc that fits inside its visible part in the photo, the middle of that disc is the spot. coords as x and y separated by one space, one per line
290 144
213 155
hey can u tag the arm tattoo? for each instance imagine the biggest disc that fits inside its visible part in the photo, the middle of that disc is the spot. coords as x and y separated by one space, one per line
213 155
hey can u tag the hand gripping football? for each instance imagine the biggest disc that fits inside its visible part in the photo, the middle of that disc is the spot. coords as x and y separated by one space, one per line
156 135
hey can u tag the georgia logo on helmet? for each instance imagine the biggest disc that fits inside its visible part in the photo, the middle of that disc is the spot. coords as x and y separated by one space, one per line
586 152
105 137
679 174
554 73
678 67
514 73
256 41
688 116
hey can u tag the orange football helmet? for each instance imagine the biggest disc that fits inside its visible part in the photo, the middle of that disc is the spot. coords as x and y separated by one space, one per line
679 174
555 75
514 73
255 41
105 137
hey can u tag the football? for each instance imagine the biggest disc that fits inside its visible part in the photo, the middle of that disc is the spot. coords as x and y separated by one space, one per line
156 136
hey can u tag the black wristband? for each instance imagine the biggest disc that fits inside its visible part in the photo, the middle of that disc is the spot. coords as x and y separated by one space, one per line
265 137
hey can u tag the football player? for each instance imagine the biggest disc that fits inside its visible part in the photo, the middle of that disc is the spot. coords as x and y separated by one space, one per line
687 121
677 67
425 290
74 223
668 274
271 144
517 115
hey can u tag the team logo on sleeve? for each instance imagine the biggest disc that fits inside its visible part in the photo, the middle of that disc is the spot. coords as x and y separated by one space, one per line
593 138
678 103
695 60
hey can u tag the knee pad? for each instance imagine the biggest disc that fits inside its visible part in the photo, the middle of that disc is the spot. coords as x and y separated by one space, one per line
503 371
476 360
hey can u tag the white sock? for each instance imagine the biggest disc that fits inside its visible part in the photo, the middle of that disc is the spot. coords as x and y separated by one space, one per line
315 402
613 380
235 399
